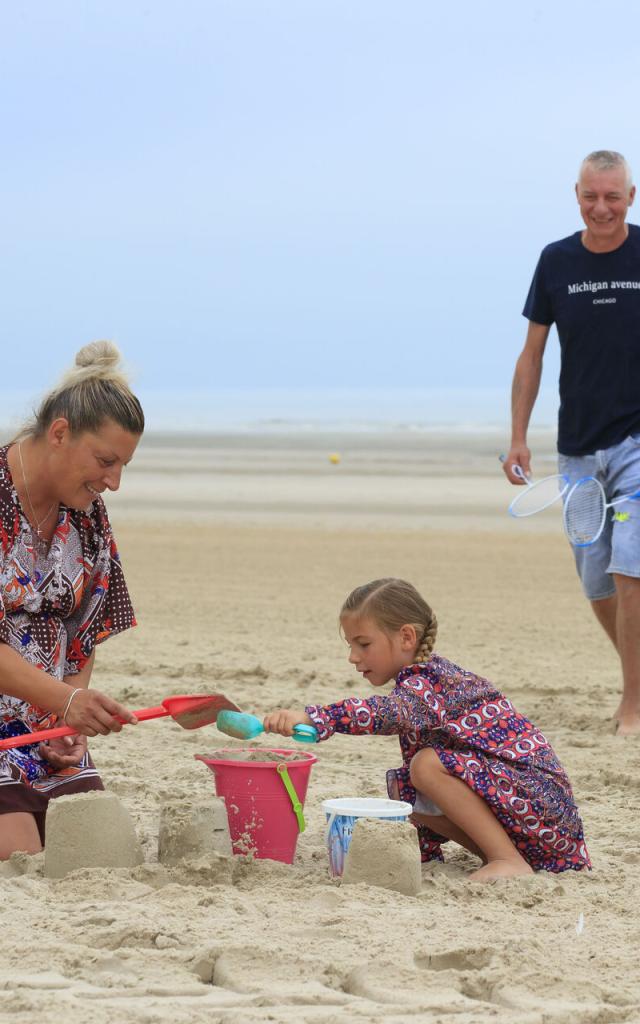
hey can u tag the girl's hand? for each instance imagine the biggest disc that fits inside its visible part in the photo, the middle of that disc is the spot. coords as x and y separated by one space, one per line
283 720
91 712
65 751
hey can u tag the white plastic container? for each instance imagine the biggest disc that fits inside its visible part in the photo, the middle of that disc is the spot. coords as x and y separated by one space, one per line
342 814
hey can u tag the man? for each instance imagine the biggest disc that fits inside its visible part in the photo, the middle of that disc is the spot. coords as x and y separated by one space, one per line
589 285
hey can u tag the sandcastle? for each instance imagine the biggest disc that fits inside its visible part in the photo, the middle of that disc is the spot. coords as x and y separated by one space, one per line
89 830
191 829
384 853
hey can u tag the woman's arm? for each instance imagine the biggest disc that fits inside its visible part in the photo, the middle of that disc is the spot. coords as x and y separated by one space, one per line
90 711
69 751
82 678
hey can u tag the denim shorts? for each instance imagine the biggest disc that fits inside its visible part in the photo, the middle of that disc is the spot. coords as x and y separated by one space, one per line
618 547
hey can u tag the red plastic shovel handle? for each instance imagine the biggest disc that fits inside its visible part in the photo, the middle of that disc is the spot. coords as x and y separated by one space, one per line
65 730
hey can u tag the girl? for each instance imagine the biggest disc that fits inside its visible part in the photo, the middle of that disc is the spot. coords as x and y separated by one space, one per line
62 590
474 769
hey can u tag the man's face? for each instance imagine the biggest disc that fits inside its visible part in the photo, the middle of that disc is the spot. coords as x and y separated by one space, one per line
604 198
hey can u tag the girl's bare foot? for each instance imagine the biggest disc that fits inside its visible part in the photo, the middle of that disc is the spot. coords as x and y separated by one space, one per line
501 869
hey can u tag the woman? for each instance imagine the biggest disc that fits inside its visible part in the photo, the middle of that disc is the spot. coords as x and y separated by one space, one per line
62 590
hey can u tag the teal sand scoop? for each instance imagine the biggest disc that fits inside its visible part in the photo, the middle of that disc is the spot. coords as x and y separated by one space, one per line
246 727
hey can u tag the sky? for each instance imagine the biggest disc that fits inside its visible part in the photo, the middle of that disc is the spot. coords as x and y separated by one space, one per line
298 196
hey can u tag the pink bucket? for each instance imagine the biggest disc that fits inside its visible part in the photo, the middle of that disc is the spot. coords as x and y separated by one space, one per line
262 819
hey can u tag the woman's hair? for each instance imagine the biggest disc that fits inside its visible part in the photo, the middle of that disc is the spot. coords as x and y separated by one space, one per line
94 390
393 603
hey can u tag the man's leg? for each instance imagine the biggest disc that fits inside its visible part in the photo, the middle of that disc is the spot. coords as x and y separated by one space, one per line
628 645
605 612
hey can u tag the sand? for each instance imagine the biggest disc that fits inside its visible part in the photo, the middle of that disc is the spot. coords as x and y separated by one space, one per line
240 596
383 853
89 830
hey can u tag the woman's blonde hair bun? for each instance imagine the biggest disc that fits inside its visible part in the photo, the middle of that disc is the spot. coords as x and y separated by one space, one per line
93 390
99 355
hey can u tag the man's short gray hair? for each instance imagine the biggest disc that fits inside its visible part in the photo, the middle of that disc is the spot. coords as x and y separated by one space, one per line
607 160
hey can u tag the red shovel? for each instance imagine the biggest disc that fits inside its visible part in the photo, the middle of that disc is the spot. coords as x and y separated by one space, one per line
190 712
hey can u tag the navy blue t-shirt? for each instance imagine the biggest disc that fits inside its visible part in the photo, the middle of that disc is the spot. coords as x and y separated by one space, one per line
594 301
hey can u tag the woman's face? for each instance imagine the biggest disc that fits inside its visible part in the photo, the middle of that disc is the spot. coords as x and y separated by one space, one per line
89 463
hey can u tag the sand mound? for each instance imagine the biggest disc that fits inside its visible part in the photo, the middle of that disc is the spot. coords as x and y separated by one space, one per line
192 829
384 853
89 830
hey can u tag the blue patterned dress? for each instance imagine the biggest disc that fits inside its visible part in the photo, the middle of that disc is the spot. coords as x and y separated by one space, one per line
480 738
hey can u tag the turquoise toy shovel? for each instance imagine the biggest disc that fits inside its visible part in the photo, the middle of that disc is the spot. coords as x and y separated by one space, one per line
246 727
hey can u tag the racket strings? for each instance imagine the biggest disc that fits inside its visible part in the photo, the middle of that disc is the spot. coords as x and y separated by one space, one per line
538 496
584 512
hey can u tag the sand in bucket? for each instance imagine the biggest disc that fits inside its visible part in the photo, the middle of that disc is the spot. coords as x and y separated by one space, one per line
263 822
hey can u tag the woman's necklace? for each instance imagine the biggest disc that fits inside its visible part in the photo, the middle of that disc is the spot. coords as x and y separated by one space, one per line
41 522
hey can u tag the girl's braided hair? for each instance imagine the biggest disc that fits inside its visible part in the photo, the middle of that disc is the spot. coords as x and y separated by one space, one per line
393 603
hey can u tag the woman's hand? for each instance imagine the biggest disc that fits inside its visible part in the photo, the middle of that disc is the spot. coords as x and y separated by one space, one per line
283 720
91 712
65 751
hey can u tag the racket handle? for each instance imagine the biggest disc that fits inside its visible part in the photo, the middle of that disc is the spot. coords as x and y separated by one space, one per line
516 469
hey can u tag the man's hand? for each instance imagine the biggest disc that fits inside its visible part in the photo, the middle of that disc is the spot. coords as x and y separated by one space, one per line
519 455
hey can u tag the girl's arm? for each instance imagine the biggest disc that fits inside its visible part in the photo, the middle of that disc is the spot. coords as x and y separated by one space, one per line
404 710
365 717
283 721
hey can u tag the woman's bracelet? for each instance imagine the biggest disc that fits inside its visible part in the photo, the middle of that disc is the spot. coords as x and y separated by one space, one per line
68 704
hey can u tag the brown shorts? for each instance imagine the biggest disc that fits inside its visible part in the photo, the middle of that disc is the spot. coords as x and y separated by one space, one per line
18 798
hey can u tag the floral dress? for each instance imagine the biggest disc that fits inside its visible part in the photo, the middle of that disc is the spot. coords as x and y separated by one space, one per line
55 607
480 738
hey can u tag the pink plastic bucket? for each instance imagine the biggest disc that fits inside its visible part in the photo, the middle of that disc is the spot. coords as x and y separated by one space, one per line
262 821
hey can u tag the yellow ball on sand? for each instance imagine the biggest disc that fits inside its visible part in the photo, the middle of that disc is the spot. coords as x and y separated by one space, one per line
334 458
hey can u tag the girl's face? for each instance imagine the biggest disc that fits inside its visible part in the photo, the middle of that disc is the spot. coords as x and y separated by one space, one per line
378 655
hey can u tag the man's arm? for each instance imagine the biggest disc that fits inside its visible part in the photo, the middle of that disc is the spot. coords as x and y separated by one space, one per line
524 391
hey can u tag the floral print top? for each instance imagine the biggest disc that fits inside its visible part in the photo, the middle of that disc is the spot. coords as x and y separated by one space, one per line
55 606
480 738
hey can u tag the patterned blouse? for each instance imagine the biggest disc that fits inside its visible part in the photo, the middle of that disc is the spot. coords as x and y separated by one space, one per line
480 738
54 608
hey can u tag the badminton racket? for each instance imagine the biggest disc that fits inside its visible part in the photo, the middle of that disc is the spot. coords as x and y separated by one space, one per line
536 495
585 511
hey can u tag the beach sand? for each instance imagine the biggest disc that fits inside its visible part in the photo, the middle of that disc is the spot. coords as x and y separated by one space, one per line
238 554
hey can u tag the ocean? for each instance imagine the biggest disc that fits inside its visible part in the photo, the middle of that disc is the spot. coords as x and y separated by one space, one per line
354 410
